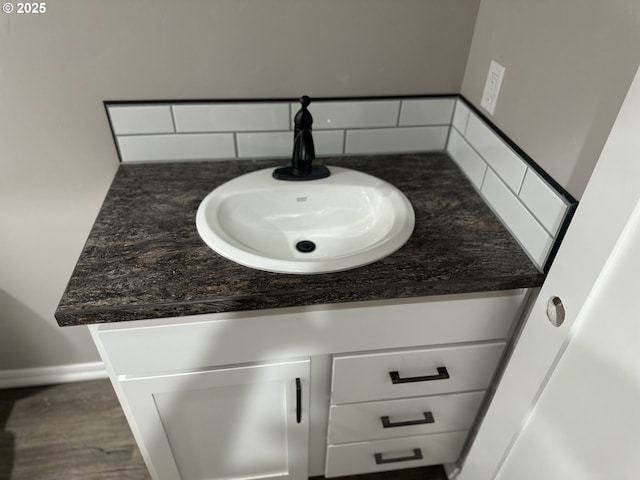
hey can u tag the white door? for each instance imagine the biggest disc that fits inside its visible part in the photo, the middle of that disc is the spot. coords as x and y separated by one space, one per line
586 424
230 423
588 273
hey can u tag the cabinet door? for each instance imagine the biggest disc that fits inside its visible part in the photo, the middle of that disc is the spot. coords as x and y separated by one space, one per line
234 423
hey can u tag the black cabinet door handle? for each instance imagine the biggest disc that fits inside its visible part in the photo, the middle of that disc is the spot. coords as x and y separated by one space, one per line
428 418
442 375
417 455
298 400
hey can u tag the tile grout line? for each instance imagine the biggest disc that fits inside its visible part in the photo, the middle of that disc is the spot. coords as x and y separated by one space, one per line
173 119
236 149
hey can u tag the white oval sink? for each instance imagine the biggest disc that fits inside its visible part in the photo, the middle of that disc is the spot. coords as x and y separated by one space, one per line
340 222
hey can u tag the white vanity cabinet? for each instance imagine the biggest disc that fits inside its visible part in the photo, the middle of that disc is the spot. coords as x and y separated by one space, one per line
306 391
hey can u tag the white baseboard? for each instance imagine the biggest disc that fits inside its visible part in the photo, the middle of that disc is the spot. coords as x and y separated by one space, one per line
28 377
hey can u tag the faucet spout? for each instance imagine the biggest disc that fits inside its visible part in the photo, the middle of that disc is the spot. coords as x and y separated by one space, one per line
303 153
303 150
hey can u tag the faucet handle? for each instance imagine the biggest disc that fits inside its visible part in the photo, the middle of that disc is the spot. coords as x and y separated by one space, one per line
305 101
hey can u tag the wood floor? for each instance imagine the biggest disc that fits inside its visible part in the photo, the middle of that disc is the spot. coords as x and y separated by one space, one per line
77 431
71 431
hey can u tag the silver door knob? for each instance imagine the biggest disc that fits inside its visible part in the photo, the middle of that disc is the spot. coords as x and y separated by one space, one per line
555 311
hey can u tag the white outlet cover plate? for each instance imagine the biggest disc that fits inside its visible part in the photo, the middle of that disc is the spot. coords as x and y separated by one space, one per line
492 87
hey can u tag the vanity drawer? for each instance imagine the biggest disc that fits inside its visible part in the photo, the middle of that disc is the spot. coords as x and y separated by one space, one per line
408 416
413 373
393 454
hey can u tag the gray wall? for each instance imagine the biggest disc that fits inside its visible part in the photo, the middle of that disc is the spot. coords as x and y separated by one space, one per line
56 154
568 66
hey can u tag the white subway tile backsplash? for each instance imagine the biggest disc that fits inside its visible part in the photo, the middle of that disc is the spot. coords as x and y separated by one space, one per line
233 117
328 142
531 235
141 148
264 145
531 209
496 153
360 114
140 119
280 144
436 111
467 159
404 139
543 202
461 117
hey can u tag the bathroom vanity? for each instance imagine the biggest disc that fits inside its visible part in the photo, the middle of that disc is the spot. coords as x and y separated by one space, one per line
228 372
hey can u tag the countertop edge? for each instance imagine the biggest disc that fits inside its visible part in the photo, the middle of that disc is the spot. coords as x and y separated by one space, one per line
256 303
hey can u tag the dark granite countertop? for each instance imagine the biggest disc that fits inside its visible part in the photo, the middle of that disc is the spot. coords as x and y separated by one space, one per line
144 258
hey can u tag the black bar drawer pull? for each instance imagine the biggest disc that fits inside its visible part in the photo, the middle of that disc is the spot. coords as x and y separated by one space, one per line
442 375
428 418
417 455
298 400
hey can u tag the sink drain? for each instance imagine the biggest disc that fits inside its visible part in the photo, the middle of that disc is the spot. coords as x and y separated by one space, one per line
305 246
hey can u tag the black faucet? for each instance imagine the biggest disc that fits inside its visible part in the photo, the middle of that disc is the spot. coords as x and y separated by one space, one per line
303 150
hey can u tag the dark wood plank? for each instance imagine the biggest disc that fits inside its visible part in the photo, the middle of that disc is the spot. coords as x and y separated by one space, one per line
71 431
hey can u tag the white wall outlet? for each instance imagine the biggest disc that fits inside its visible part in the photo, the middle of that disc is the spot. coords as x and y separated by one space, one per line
492 87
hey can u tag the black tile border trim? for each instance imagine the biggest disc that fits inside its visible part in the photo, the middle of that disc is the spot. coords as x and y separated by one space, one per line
276 99
571 201
568 197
